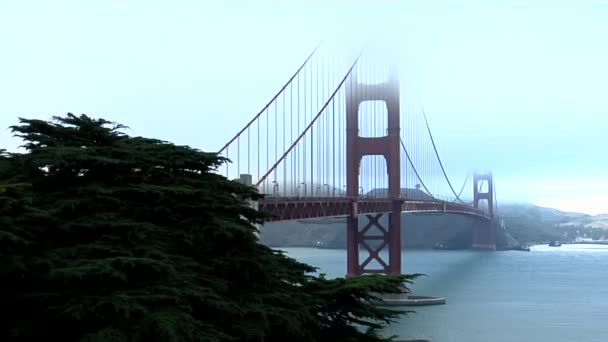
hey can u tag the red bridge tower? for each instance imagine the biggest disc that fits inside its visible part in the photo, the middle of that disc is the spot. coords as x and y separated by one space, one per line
484 232
356 148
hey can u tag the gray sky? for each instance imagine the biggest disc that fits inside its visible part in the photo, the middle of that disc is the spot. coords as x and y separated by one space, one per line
519 88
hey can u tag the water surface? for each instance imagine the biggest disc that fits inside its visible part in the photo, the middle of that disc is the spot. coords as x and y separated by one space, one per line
551 294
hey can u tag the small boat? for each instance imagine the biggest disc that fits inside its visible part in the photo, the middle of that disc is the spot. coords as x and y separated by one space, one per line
555 244
440 245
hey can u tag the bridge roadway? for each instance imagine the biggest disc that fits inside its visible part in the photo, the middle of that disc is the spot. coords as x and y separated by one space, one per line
299 208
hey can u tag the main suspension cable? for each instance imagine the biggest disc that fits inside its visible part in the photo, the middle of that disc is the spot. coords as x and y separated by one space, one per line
439 159
271 100
414 168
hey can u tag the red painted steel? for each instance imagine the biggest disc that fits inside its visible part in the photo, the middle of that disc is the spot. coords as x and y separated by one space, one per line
356 148
354 207
374 249
301 208
487 195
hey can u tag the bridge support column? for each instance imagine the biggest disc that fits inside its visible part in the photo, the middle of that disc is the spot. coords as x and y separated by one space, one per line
374 237
394 248
484 235
484 232
352 244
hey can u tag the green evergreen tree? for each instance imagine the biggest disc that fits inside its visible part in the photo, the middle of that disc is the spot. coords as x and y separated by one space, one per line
107 237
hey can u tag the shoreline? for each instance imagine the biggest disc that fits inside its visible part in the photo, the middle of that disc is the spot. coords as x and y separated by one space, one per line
599 242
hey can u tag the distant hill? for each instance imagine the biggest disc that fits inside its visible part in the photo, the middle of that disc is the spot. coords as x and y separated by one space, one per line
534 224
587 221
411 194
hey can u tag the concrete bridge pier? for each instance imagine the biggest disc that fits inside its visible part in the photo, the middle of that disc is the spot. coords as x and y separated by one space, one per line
484 236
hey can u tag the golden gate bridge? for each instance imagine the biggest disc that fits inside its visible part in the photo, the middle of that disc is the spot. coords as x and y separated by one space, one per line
336 141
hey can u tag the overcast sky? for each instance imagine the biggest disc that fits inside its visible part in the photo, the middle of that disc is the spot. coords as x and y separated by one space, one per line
520 88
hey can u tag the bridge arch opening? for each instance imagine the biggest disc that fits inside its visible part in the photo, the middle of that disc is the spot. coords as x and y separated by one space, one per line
483 186
373 177
373 119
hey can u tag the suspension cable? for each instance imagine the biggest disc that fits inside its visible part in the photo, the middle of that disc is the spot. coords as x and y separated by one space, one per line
414 168
464 184
271 100
312 122
439 159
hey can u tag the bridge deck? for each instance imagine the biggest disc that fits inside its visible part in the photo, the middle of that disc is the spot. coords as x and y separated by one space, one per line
298 208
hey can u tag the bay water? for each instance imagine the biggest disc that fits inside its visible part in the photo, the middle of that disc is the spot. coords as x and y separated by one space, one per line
550 294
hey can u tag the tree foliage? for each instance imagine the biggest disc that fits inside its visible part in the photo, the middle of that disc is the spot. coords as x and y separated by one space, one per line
107 237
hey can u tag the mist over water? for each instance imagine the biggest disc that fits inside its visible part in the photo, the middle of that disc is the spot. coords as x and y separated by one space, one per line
548 294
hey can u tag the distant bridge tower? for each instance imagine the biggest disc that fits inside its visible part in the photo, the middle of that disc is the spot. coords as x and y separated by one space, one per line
484 232
356 148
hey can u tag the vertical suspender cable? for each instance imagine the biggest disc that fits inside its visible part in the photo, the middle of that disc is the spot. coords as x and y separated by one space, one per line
312 158
333 132
291 117
267 146
372 115
304 147
284 133
323 134
276 141
258 151
309 126
327 134
298 132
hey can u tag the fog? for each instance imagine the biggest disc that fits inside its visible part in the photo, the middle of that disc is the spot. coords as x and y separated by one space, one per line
516 88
